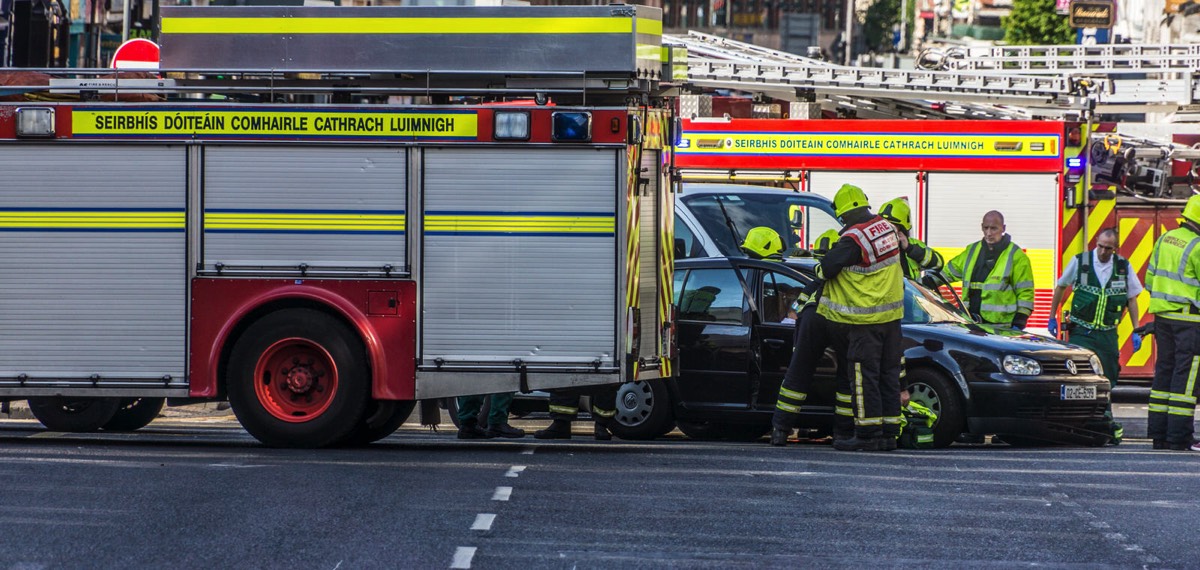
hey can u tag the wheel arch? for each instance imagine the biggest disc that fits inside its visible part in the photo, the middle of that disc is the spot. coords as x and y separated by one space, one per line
250 310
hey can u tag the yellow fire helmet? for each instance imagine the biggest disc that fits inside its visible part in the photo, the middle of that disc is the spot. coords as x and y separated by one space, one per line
825 242
763 242
848 197
897 212
1192 210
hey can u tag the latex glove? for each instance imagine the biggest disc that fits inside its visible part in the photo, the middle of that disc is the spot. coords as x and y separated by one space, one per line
1137 342
1052 326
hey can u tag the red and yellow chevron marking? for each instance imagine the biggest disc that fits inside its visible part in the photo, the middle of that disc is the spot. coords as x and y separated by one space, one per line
666 259
632 244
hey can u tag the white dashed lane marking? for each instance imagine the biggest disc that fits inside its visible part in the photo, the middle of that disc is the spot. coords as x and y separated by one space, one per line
483 521
515 471
462 557
502 494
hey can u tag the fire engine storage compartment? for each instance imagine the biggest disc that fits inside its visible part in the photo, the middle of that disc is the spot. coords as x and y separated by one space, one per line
519 265
84 226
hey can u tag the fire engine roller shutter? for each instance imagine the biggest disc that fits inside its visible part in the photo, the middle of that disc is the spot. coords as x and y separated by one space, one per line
92 264
648 256
327 207
520 256
878 186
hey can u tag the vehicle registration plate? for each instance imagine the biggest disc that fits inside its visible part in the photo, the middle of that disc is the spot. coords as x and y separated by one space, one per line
1079 392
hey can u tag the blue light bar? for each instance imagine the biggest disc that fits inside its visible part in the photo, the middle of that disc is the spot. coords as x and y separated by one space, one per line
572 126
1075 162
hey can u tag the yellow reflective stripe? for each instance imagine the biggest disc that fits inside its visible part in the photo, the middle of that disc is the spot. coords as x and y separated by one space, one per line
603 412
447 25
1158 407
859 404
781 405
1160 394
800 396
303 221
1177 411
649 51
868 421
928 438
891 419
569 410
1183 398
1191 383
58 220
843 411
843 397
520 224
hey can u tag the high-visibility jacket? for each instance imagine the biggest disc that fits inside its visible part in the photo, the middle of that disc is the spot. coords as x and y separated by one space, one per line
1173 276
1097 305
1008 288
871 291
927 259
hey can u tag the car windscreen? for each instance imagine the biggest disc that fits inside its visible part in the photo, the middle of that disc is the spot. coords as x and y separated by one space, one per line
751 210
923 306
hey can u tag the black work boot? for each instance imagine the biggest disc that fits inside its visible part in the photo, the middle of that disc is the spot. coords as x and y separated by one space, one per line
558 429
857 443
505 430
887 443
470 430
779 437
600 431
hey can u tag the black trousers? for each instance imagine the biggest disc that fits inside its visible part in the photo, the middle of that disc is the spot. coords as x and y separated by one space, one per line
872 356
1173 393
808 348
564 404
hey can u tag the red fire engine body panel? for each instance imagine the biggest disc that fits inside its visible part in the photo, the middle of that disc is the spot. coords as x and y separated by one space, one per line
383 313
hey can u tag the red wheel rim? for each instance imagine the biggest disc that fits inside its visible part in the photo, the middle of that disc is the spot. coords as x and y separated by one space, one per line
295 380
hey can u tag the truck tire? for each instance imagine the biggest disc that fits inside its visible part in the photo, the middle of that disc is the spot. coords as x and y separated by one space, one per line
135 413
643 411
383 417
62 413
939 394
298 378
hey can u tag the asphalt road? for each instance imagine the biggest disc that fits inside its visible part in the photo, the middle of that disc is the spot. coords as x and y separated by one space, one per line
200 493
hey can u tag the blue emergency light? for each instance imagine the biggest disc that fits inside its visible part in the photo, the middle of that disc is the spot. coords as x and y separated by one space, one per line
572 126
1075 162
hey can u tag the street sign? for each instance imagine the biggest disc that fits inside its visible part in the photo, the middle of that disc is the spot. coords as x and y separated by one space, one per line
1092 13
137 53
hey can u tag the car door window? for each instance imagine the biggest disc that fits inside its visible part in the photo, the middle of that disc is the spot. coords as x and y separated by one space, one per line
713 295
779 293
686 244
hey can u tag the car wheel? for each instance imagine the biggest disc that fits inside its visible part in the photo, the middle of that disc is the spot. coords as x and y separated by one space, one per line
710 431
135 414
62 413
643 410
933 390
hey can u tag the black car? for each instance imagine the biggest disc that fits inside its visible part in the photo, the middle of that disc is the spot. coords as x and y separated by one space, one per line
734 352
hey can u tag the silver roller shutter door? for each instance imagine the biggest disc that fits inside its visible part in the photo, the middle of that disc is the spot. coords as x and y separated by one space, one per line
327 207
648 257
879 187
99 287
545 293
958 201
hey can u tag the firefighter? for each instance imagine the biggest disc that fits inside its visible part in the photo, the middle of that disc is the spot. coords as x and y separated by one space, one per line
564 408
863 301
1105 285
996 275
763 243
1173 279
918 256
497 418
808 347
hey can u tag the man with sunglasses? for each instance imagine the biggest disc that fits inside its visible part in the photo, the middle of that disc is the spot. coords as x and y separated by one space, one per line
1105 286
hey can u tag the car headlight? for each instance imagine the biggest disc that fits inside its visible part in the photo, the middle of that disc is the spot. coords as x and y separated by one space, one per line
1096 366
1021 366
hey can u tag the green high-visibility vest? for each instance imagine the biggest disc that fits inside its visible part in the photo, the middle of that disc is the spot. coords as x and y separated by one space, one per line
871 292
1008 288
1173 276
1097 305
